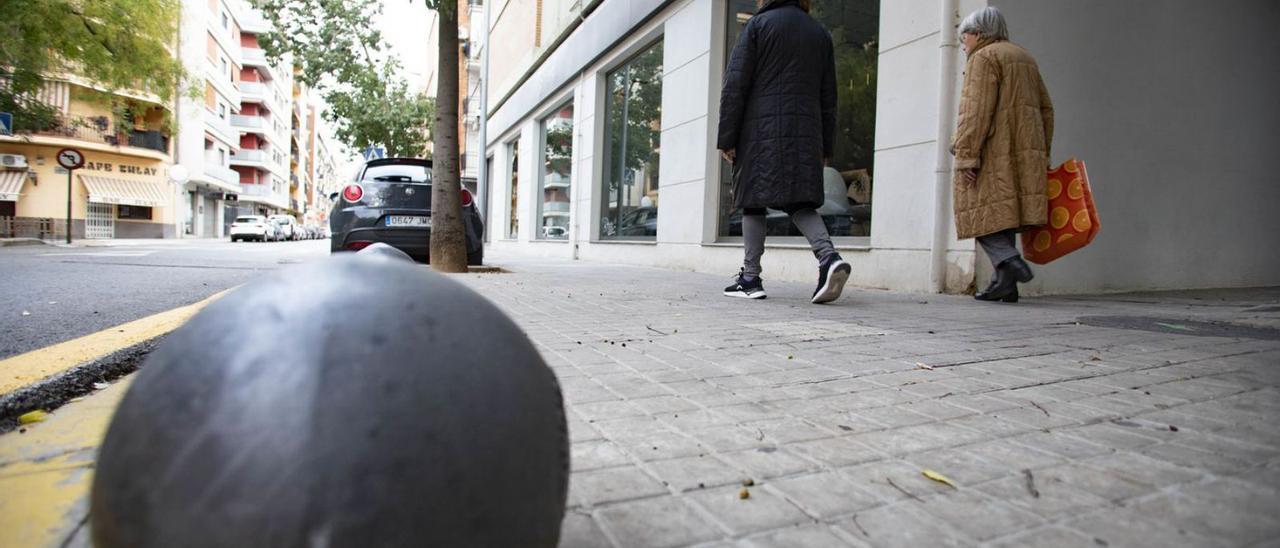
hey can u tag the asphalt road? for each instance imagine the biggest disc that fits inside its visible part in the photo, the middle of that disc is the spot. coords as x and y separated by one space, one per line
66 292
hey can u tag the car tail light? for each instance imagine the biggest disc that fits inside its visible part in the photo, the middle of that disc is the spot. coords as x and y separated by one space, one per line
358 245
467 200
352 193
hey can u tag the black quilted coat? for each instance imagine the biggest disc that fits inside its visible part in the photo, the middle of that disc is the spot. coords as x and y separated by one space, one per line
778 109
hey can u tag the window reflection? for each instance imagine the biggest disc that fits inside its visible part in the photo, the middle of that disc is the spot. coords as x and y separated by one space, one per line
847 181
557 173
633 118
513 203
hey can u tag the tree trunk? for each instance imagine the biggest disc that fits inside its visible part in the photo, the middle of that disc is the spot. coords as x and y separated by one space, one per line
448 235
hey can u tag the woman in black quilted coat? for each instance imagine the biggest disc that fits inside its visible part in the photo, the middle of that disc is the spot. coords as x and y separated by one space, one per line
777 128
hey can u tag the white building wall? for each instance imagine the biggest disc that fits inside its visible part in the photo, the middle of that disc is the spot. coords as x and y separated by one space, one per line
1173 106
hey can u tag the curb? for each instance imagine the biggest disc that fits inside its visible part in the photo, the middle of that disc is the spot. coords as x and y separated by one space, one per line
15 242
53 392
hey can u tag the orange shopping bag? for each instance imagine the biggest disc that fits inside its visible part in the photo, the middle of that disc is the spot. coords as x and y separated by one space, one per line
1073 219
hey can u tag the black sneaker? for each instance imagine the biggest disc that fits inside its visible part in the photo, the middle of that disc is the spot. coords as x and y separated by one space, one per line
831 279
742 289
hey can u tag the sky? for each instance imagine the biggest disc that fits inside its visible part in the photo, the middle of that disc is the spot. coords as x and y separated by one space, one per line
404 25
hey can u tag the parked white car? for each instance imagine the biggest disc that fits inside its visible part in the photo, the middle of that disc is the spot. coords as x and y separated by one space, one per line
252 227
288 227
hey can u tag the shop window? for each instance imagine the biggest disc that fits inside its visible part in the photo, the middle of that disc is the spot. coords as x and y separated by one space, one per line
135 213
556 174
513 201
847 181
633 122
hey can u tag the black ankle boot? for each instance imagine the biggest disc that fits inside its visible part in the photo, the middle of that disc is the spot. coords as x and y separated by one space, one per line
1003 287
1018 269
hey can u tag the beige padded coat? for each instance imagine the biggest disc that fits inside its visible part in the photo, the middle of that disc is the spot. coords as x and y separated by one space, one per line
1005 131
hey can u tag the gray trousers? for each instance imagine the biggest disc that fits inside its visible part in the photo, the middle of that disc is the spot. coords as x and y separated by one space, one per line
807 220
1000 246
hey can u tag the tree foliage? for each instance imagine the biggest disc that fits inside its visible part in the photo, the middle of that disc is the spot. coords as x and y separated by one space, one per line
118 44
340 52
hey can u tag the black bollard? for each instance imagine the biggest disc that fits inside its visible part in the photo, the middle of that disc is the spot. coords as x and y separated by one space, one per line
379 249
350 402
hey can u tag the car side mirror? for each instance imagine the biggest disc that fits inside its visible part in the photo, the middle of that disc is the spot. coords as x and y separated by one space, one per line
333 196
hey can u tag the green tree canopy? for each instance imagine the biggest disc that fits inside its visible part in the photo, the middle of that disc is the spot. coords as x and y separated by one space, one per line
118 44
339 52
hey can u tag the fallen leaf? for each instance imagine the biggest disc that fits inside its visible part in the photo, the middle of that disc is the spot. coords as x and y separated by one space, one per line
939 478
32 417
744 494
921 365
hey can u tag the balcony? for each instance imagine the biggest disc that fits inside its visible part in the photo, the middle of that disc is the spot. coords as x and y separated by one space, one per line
249 157
253 23
254 92
250 124
555 180
555 207
257 190
100 130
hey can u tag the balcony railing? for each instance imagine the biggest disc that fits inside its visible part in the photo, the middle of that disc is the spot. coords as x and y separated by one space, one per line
253 90
101 130
555 207
253 56
250 155
256 190
249 122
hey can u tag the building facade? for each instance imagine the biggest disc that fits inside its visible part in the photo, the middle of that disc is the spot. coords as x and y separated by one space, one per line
602 133
234 139
121 192
266 97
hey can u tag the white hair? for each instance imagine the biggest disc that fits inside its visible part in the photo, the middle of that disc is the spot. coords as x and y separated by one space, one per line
987 23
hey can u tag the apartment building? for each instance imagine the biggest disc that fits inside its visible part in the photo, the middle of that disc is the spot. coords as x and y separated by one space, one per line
121 192
266 97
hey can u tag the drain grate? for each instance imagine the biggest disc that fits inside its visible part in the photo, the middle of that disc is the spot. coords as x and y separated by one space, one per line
1182 327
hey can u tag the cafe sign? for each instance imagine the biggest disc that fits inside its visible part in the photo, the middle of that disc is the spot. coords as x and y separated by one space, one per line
127 169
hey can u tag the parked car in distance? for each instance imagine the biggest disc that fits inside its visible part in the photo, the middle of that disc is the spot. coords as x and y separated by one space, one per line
390 202
252 227
288 227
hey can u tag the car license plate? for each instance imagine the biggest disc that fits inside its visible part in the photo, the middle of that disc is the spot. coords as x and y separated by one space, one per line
414 221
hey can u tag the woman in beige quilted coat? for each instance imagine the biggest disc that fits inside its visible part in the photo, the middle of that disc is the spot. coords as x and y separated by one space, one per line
1001 149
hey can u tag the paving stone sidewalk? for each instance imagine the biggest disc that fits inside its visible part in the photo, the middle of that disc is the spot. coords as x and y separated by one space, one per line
1130 420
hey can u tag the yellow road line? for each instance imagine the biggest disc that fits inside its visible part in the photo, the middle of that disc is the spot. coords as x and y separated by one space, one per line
25 369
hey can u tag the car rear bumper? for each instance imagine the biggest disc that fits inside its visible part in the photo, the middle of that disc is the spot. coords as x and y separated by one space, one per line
414 241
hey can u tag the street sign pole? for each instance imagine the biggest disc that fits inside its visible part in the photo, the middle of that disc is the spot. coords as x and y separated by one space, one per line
71 159
69 172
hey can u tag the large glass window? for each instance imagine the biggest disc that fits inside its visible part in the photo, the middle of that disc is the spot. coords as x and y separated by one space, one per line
846 182
633 120
557 170
513 196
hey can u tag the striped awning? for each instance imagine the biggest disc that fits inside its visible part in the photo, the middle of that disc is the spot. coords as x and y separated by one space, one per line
11 185
105 190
